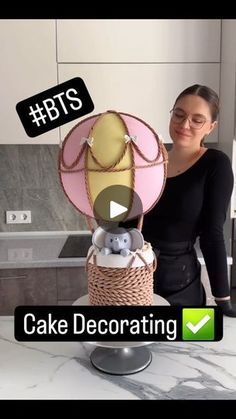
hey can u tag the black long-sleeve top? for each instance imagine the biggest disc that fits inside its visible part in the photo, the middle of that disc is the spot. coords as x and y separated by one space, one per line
194 204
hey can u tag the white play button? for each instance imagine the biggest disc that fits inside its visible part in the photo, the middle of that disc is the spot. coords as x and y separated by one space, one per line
116 209
116 204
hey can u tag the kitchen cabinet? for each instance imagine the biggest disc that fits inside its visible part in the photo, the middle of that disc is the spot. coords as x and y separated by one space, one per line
147 91
57 286
40 286
71 282
136 65
28 67
138 40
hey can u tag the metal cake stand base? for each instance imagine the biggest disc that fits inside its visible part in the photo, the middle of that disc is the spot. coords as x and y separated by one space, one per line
121 361
121 358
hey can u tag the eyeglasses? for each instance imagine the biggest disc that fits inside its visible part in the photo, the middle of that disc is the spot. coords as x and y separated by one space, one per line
178 116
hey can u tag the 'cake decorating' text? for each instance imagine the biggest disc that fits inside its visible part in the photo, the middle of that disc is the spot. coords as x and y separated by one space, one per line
117 323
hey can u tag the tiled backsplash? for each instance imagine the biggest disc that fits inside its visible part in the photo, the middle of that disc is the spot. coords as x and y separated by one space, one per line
29 181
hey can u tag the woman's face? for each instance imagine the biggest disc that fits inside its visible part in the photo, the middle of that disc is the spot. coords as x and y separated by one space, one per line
190 121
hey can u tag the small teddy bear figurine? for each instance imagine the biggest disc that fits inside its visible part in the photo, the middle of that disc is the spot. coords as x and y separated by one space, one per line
117 240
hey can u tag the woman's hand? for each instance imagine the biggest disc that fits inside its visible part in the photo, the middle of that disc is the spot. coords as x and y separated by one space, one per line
228 308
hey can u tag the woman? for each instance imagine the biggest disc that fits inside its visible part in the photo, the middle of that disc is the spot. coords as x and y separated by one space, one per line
193 204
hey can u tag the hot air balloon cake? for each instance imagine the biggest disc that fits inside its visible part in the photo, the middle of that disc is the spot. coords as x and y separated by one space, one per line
112 168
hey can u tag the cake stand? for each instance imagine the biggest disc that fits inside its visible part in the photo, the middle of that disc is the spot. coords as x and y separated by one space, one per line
121 358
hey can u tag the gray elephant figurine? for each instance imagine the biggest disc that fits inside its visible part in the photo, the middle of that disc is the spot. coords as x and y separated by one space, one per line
117 240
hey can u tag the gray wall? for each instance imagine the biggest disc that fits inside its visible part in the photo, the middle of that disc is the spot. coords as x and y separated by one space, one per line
29 181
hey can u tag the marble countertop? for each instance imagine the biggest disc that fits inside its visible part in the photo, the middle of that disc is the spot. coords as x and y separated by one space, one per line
36 251
56 370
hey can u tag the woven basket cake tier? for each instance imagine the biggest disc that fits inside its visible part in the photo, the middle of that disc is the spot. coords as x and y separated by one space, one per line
117 280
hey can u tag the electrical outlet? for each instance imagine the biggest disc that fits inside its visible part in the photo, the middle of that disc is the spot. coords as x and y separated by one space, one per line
19 254
18 217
